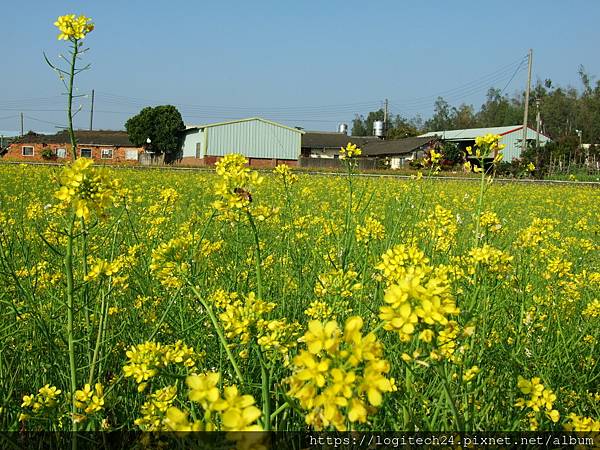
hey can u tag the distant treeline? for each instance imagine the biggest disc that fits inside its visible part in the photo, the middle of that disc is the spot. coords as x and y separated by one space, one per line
563 111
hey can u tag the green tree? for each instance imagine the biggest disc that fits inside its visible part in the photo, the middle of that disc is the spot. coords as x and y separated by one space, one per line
442 116
162 125
498 110
358 126
397 127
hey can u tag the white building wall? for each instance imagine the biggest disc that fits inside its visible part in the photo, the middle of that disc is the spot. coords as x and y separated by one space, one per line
190 143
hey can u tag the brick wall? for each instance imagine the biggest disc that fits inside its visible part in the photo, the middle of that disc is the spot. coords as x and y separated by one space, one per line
119 154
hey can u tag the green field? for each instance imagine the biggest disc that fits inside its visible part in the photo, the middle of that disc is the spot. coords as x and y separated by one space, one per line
368 304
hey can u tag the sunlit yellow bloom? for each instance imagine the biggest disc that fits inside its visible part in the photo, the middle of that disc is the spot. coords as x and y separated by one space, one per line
73 27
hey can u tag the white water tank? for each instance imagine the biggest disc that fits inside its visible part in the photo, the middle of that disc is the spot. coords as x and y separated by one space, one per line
343 128
378 128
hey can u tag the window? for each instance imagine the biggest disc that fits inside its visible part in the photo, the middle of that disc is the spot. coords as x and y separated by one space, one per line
85 152
61 152
131 154
27 151
106 153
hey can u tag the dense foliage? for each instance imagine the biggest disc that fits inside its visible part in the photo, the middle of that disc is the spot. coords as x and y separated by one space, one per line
161 124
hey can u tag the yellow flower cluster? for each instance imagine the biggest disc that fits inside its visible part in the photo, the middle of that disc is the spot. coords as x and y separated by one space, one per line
90 399
278 336
154 410
487 145
400 260
284 172
489 222
341 376
582 424
40 275
470 374
241 316
337 283
540 398
170 262
237 412
495 261
592 309
235 185
145 360
350 151
539 231
101 267
372 230
86 189
45 399
440 228
417 299
319 310
73 27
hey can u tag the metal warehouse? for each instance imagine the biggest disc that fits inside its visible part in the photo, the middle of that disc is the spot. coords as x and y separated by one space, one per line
263 142
511 137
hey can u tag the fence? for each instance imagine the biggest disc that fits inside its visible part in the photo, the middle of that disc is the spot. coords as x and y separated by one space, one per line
334 163
150 159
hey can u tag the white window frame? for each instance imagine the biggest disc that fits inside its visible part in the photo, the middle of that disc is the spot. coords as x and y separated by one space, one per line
27 146
60 150
81 153
102 150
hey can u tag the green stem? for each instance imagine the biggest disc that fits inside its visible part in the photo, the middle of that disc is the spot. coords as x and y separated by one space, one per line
348 219
98 339
279 410
84 291
457 420
70 99
215 323
266 397
68 264
480 203
259 291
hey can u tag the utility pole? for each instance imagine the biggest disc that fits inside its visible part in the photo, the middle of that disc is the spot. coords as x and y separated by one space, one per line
21 124
92 112
538 125
385 117
530 58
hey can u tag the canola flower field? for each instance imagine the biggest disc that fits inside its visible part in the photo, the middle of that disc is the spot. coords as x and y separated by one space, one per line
237 300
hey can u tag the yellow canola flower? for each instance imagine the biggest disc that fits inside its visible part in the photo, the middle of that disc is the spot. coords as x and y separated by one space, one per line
321 337
73 27
350 151
344 379
238 411
203 389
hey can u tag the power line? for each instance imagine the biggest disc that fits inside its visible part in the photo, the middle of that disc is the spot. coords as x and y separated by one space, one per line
45 121
322 113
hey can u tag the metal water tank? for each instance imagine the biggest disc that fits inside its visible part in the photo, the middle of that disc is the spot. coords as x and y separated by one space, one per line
343 128
378 128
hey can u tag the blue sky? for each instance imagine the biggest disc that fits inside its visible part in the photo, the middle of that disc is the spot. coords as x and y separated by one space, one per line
305 63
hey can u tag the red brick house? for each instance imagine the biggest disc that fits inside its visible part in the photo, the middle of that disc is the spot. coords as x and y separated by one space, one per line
103 146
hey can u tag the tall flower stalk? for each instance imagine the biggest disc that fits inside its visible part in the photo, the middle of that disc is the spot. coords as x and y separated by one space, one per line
486 147
73 29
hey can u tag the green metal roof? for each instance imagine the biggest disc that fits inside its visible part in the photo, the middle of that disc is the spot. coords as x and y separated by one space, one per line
249 119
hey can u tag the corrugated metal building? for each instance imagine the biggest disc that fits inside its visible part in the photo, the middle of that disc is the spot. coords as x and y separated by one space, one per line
511 137
263 142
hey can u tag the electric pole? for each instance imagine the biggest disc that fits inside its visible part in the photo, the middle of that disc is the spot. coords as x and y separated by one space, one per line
385 117
538 121
92 112
21 124
530 58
